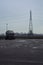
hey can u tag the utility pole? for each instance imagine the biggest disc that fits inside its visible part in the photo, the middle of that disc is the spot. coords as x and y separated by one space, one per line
30 24
6 27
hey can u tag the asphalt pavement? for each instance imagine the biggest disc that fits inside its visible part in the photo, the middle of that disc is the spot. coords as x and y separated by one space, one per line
21 51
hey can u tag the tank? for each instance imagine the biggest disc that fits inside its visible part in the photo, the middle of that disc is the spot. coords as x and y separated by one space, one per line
9 35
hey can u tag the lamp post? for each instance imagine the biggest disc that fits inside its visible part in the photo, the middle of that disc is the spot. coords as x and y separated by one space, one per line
6 27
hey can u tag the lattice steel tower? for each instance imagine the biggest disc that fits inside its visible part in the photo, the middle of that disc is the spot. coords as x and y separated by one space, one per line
30 24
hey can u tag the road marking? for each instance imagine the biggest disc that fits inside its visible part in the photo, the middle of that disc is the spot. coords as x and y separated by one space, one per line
21 41
35 47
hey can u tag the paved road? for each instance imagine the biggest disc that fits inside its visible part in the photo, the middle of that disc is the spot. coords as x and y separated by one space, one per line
30 50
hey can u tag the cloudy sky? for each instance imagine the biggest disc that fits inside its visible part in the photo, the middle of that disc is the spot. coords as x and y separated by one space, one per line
16 13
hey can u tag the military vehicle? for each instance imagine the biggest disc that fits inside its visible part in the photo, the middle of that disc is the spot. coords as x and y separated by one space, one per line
9 35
